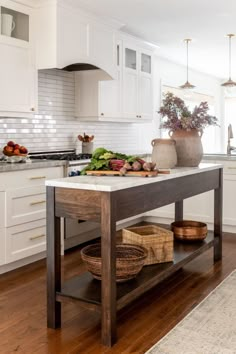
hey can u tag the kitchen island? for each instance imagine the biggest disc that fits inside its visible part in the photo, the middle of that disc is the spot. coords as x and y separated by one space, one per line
111 199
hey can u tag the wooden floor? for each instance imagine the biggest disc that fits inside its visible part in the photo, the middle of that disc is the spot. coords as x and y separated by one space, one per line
140 325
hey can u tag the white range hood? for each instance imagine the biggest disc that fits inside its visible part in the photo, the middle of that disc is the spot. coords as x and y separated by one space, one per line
69 38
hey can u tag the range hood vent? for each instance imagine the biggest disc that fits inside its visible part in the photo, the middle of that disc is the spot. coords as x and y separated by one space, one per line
80 67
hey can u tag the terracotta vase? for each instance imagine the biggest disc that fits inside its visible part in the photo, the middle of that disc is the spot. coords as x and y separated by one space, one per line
188 147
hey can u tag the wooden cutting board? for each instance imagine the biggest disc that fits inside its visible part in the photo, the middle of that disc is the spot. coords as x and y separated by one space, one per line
129 173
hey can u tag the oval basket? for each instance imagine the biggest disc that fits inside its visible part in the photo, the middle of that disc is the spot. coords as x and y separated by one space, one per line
129 260
189 231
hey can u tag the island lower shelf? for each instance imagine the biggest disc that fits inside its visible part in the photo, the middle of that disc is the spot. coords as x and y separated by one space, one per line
86 289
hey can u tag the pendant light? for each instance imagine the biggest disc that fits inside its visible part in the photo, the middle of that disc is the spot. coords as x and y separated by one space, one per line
187 85
230 82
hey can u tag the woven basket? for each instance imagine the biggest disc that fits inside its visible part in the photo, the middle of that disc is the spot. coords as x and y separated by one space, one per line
189 231
158 242
129 260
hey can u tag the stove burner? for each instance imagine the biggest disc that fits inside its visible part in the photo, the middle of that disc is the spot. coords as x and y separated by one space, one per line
65 157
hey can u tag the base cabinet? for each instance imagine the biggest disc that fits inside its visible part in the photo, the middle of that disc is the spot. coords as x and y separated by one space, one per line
23 212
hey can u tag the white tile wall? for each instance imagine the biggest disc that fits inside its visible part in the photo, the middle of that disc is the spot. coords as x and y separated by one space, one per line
55 126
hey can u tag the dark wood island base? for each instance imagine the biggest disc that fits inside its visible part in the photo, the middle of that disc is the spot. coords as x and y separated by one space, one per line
108 207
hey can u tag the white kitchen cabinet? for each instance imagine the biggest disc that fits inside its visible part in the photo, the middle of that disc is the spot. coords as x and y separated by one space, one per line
2 228
137 83
18 85
128 98
23 212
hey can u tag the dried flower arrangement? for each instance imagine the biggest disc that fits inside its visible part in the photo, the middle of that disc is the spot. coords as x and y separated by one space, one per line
179 117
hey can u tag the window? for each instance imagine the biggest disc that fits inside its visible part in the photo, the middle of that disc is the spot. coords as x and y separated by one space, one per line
209 137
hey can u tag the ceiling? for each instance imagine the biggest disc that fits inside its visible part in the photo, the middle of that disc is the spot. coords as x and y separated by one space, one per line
167 22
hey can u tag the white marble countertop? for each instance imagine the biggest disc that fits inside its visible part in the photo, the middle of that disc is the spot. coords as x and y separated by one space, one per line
114 183
9 167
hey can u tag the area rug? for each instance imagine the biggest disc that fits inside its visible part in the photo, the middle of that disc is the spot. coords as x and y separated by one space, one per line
208 329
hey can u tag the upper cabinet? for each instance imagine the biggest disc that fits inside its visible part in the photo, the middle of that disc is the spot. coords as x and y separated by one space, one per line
137 83
67 36
129 97
18 85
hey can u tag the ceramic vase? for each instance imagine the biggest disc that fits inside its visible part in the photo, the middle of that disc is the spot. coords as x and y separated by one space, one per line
188 147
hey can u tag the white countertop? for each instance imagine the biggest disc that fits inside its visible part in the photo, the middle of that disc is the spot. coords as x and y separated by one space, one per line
114 183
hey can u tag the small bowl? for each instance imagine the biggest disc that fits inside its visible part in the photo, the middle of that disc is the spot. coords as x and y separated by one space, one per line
189 230
129 260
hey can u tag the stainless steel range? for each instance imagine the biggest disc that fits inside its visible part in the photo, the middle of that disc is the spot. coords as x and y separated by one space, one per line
75 231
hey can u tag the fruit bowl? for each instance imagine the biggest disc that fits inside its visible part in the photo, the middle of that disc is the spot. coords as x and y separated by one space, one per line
14 152
6 153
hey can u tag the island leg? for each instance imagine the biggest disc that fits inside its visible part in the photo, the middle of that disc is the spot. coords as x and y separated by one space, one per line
218 210
108 240
179 210
53 262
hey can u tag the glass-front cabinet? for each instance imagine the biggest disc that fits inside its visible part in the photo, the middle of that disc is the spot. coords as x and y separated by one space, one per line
137 83
14 24
18 84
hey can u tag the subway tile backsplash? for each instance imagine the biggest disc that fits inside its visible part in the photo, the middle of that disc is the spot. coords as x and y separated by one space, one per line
56 128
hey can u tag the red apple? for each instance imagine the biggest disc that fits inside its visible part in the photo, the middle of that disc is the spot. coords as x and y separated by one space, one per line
16 146
16 152
11 143
23 150
8 148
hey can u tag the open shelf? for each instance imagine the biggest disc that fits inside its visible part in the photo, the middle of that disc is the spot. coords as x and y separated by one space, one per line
86 289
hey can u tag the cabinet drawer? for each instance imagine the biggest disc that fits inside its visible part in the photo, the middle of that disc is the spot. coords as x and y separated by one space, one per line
29 178
25 240
25 205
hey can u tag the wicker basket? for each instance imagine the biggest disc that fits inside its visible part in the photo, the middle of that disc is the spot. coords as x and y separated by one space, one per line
158 242
129 260
189 231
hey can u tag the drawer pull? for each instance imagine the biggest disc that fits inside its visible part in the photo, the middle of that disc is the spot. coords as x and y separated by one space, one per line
37 236
231 168
37 177
38 202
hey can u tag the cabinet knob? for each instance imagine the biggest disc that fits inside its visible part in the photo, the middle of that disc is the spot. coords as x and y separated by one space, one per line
32 109
102 114
137 116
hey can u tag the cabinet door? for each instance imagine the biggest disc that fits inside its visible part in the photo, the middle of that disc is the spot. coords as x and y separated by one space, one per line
145 96
145 85
17 86
229 197
130 83
110 98
110 91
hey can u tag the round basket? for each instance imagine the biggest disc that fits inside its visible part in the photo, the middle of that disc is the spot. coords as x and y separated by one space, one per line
129 260
189 231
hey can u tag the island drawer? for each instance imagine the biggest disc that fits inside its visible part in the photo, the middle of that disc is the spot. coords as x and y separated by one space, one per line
25 205
25 240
